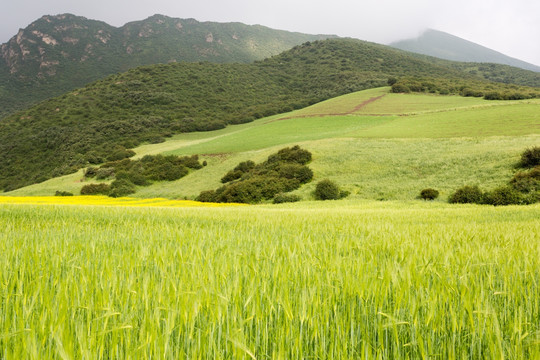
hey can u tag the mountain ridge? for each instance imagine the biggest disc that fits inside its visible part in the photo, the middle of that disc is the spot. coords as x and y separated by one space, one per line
450 47
57 53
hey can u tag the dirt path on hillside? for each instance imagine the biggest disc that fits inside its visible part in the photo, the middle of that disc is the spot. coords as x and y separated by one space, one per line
355 109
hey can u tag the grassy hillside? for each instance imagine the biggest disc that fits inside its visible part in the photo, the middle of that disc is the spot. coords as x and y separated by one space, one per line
374 143
147 104
58 53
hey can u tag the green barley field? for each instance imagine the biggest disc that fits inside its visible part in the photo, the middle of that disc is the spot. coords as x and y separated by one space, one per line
332 280
378 275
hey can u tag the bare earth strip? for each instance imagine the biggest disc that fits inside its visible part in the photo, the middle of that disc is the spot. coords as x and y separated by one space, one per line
356 109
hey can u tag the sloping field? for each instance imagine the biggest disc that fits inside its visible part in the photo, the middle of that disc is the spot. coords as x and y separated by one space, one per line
378 145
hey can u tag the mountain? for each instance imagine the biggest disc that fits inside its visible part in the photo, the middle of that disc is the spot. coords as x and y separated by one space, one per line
101 120
58 53
445 46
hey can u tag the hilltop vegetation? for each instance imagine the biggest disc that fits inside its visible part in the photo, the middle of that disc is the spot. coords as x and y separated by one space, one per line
58 53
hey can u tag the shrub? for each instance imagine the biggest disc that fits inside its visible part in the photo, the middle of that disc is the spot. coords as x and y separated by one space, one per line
105 173
294 171
120 154
191 162
63 193
245 166
167 171
400 88
207 196
327 190
494 95
121 188
95 189
467 195
530 157
527 181
134 177
286 198
505 195
429 194
90 172
231 176
294 154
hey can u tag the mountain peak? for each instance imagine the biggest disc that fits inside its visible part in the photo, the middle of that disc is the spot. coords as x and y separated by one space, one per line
450 47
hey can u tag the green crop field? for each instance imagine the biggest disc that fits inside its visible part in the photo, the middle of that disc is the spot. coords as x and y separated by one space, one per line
379 275
340 280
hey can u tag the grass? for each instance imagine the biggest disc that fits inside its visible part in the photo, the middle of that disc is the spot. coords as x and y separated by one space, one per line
342 279
416 141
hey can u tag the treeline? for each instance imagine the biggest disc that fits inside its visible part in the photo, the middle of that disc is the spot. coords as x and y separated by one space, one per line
469 88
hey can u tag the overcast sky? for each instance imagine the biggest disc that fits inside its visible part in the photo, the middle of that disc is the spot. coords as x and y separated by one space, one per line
508 26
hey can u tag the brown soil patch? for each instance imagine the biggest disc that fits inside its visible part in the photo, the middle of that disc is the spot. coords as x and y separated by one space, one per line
355 109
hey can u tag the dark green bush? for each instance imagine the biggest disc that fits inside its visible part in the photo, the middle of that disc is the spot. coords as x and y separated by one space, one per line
493 95
90 172
207 196
527 181
245 166
429 194
231 176
120 154
132 176
505 195
467 195
286 198
95 189
120 188
247 192
105 173
250 183
530 157
400 88
63 193
327 190
294 154
294 171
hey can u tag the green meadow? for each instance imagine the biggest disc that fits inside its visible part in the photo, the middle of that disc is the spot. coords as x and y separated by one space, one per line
341 280
376 144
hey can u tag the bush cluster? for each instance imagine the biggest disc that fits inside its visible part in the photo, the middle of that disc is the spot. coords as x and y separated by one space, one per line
96 189
62 193
530 157
251 183
466 88
131 173
286 198
522 189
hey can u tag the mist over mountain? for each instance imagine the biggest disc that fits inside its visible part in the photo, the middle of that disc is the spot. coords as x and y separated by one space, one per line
58 53
446 46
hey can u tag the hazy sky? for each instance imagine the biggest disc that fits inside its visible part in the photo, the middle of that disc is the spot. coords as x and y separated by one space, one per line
508 26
